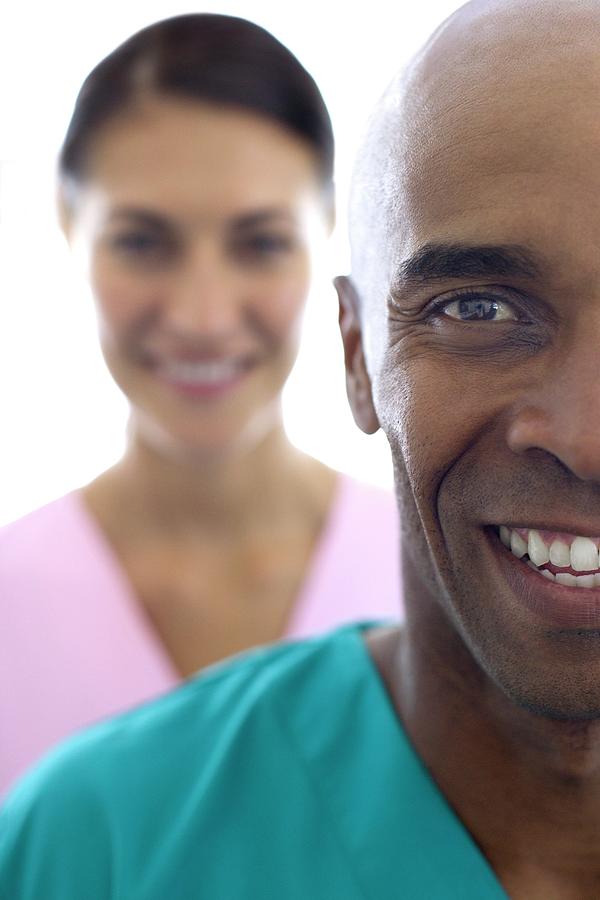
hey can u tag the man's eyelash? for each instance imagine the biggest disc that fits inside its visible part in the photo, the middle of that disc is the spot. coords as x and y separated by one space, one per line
467 294
439 304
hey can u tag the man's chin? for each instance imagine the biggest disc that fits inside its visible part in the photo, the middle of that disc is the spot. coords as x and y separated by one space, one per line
557 706
549 673
553 677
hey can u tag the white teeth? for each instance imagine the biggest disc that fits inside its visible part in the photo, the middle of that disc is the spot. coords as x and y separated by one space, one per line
566 578
584 555
517 544
560 554
538 552
201 372
586 581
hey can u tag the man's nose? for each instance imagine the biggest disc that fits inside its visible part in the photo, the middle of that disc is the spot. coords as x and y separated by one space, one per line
561 414
205 296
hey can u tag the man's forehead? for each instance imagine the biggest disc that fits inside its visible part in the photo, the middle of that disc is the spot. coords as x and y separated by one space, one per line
501 26
496 79
495 92
490 50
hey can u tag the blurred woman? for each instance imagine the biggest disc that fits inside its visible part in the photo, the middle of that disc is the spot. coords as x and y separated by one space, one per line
196 187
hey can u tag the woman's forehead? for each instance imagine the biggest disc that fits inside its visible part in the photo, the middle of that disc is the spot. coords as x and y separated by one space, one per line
172 138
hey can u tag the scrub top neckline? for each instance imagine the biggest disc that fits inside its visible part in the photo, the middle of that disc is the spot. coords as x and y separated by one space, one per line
125 592
376 769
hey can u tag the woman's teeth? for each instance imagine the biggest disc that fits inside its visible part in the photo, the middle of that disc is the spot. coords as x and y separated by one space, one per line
213 372
573 554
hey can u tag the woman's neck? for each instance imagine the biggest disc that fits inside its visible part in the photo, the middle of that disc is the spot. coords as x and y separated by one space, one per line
266 487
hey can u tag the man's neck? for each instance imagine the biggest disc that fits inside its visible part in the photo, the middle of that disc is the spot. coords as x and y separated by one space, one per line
526 787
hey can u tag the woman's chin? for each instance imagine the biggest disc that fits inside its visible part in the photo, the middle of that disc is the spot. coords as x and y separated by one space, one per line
197 442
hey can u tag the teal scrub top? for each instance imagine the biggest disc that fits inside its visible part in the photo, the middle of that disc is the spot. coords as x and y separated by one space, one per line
281 774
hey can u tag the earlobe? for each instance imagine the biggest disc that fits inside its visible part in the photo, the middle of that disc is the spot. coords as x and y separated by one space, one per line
358 382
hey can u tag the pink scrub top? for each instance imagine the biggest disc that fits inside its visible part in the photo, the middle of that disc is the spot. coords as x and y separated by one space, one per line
76 645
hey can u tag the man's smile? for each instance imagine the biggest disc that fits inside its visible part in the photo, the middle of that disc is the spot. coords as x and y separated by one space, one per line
554 574
571 560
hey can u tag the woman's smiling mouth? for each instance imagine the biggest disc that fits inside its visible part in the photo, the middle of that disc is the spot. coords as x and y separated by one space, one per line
203 377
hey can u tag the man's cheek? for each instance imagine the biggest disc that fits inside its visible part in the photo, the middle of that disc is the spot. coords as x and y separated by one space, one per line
416 412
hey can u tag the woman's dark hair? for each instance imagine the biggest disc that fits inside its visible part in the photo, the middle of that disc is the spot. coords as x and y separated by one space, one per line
214 58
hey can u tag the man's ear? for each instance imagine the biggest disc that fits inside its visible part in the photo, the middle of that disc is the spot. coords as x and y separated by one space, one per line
358 383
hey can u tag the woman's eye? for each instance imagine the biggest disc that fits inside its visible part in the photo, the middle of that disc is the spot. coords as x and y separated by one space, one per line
140 244
479 308
264 246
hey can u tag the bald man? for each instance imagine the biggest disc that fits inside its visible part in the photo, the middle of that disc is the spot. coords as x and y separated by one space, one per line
458 758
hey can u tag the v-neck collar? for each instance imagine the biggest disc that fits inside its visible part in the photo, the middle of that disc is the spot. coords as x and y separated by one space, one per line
400 836
122 594
298 615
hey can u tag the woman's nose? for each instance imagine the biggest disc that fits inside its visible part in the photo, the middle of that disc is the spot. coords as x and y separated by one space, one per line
562 414
205 297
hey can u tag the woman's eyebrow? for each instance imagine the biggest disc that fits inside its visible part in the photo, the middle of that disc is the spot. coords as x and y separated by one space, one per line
240 222
261 217
140 215
440 261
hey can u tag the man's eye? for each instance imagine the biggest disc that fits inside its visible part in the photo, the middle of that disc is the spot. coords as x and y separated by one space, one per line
479 308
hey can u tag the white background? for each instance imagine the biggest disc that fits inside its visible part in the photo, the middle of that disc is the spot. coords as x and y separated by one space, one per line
61 419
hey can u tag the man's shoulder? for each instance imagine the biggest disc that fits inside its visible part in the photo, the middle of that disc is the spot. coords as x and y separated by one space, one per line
191 726
211 764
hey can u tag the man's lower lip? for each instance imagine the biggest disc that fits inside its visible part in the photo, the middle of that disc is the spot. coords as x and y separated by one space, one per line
555 604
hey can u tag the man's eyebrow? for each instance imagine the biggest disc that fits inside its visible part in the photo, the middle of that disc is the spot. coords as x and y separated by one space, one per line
439 262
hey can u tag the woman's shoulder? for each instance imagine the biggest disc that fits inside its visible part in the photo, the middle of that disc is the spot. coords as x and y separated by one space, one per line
44 531
355 574
368 497
366 510
54 548
63 510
